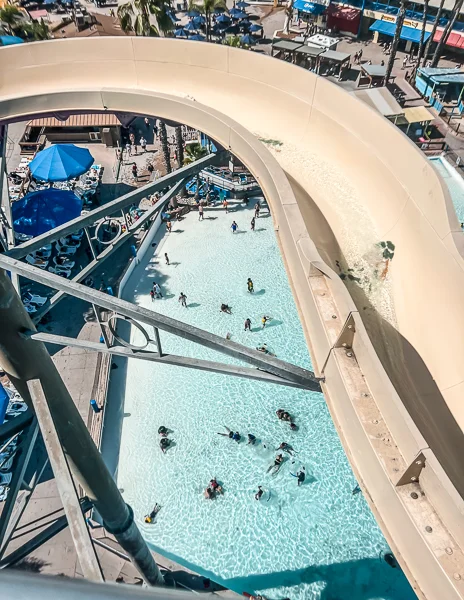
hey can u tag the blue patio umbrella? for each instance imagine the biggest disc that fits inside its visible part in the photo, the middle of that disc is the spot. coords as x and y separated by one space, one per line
10 40
248 40
199 20
245 24
234 29
190 26
181 32
239 15
61 162
41 211
242 4
255 27
193 13
197 38
223 19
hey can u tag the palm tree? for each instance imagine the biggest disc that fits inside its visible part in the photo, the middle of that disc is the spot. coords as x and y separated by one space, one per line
135 16
10 16
422 35
434 29
165 146
37 30
179 146
206 7
396 40
444 36
194 152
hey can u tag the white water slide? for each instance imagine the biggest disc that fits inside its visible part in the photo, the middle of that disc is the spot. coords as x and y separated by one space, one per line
370 240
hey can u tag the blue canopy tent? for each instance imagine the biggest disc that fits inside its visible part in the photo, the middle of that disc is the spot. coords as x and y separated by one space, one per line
190 26
41 211
245 24
248 40
311 8
60 162
407 33
199 20
242 4
197 38
236 11
181 32
223 19
239 15
10 40
255 27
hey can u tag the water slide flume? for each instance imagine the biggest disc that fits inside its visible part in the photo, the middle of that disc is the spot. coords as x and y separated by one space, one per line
339 180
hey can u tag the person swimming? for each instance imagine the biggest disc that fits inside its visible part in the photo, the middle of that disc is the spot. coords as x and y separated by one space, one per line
264 320
265 350
250 285
164 444
209 493
251 439
259 493
301 476
286 448
279 459
163 431
236 436
230 434
151 517
214 485
225 308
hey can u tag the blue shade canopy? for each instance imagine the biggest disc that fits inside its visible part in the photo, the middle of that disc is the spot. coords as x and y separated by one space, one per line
256 27
190 26
199 20
242 4
248 40
193 13
9 40
239 15
223 19
311 8
61 162
407 33
180 32
41 211
197 38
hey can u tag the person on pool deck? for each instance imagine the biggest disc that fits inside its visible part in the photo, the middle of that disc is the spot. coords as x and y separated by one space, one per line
251 439
301 476
234 226
264 320
253 223
279 459
164 444
225 308
167 258
183 299
162 430
248 325
259 493
250 285
286 448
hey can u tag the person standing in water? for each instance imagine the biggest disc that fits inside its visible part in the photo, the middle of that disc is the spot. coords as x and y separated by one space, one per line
167 258
248 325
234 226
200 212
250 286
259 493
253 222
152 295
168 226
225 204
183 299
257 209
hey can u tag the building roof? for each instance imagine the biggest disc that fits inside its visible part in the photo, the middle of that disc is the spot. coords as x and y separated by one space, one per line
381 100
85 120
286 45
374 70
339 57
410 34
438 75
310 50
418 114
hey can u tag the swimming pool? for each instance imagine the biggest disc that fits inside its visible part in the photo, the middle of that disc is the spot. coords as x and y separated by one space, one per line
317 541
454 183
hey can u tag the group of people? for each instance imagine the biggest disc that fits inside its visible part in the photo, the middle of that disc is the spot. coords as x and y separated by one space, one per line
155 292
213 489
283 415
164 442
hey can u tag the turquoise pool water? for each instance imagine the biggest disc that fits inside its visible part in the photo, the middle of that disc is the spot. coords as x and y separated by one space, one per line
314 542
454 183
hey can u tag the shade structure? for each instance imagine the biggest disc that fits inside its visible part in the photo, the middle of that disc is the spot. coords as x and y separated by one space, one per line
223 19
408 34
199 20
245 24
236 11
61 162
41 211
242 4
248 40
255 27
239 15
193 13
234 29
190 26
197 38
312 8
181 32
10 40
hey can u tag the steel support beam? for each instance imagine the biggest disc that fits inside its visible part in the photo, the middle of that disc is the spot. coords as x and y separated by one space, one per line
16 481
41 538
170 359
112 207
85 551
24 360
194 334
98 260
6 202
